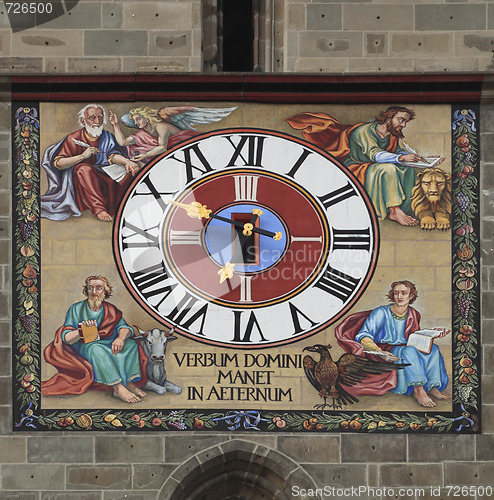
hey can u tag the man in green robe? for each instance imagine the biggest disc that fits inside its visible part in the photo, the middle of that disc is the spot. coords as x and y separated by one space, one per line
111 362
372 153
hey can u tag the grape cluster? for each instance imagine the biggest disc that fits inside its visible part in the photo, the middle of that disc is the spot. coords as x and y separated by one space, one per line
27 322
463 201
464 392
26 228
464 304
179 425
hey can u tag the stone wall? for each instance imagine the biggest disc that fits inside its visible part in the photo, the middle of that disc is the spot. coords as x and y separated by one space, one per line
329 37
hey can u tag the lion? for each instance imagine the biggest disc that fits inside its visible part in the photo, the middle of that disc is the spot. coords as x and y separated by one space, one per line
431 199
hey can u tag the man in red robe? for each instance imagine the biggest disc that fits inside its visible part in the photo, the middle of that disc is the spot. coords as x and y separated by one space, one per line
74 167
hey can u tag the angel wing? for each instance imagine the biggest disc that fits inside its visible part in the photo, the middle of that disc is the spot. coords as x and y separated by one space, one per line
185 117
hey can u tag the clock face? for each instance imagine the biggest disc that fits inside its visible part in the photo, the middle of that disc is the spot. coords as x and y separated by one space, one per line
246 238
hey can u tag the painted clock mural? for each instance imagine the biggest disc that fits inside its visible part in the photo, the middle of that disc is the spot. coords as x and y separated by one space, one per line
233 244
254 266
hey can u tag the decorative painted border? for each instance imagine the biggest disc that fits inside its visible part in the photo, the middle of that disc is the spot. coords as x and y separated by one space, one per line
26 353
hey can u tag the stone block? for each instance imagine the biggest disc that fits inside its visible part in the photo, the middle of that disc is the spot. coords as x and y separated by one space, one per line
181 448
450 17
468 473
490 17
485 447
330 65
439 64
426 45
4 222
488 389
154 65
378 17
115 43
435 448
407 255
373 64
487 419
410 474
47 43
130 495
5 420
5 353
306 448
12 449
488 358
488 304
157 15
94 65
151 477
297 16
5 333
376 43
4 251
18 495
373 448
111 16
5 391
79 15
171 44
338 476
33 477
98 477
21 64
60 449
128 449
55 65
76 495
331 44
4 307
324 17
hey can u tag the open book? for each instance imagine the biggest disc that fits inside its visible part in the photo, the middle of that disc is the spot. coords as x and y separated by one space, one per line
430 161
422 340
116 171
88 333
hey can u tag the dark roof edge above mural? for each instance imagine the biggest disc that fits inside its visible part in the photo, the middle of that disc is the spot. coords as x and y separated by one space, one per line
413 88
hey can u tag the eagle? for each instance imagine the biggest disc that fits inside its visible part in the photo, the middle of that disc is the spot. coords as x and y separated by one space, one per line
328 376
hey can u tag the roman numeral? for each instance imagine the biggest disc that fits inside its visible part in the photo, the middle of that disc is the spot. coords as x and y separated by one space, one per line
185 237
151 282
154 192
248 330
338 195
337 283
182 309
295 313
246 187
147 240
299 162
188 162
351 239
249 145
245 288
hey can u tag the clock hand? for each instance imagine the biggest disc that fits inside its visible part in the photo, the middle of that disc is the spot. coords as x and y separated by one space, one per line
198 211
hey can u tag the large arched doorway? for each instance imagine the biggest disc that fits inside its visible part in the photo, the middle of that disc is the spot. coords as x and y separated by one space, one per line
236 470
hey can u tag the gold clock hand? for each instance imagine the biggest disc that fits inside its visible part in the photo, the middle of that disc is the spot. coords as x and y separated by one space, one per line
197 210
226 272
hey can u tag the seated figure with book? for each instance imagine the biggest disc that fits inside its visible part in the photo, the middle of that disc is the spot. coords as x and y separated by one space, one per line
392 333
94 349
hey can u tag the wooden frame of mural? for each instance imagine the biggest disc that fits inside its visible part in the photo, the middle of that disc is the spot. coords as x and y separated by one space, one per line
237 379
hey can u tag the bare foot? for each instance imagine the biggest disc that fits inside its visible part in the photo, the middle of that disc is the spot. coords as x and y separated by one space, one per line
133 388
120 391
398 215
422 398
438 394
104 216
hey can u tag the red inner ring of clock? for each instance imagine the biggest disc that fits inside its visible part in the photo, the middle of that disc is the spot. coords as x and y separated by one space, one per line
307 241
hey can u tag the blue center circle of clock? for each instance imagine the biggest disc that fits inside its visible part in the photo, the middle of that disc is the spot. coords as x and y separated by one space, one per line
223 242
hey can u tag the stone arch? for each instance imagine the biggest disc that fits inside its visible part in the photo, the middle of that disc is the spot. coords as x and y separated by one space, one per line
236 470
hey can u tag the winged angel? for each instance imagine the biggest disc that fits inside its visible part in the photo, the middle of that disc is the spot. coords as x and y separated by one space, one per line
160 129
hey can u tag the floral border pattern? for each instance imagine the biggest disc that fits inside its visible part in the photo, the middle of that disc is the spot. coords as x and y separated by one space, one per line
26 357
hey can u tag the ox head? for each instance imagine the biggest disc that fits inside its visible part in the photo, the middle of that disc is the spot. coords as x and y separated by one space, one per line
154 342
